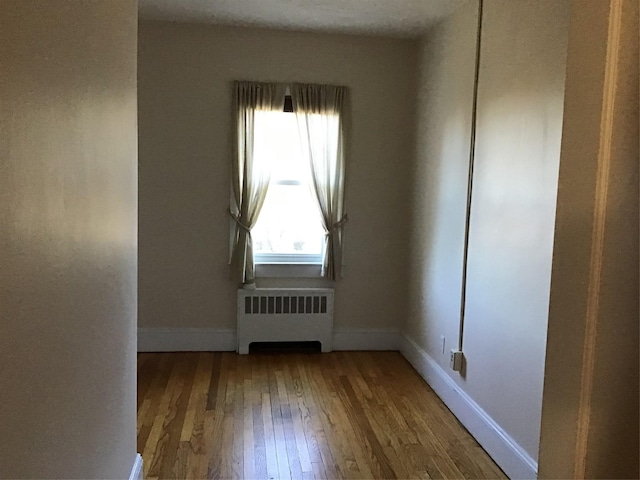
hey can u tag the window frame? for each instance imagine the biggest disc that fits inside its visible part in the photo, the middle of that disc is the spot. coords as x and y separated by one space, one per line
288 270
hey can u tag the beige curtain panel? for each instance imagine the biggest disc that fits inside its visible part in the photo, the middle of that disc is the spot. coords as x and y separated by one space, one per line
321 114
249 175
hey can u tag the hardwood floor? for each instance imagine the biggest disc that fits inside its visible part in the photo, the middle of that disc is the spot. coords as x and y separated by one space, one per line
297 416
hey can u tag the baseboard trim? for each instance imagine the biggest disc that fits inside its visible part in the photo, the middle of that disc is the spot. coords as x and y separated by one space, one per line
504 450
366 339
186 340
137 472
224 340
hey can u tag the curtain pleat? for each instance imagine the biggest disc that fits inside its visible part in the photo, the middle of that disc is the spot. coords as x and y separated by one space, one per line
321 115
249 174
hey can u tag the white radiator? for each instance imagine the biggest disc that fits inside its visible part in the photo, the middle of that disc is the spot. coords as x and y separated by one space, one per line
285 315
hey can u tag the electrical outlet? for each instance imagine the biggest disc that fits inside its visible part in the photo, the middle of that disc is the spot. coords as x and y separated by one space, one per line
455 360
443 342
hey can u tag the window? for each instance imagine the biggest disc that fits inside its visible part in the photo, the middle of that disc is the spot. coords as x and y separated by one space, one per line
267 161
289 228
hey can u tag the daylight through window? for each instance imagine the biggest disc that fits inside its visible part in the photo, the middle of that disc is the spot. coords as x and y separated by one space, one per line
289 228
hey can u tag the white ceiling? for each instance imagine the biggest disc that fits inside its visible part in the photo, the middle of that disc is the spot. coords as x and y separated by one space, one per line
396 18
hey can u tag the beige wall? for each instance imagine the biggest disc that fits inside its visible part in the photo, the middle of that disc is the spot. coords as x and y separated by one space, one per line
185 90
520 99
607 359
439 181
67 238
519 125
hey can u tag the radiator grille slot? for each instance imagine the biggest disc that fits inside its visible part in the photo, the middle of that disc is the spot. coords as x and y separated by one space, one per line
297 304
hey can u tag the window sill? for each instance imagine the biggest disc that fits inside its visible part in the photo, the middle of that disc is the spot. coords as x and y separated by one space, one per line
288 270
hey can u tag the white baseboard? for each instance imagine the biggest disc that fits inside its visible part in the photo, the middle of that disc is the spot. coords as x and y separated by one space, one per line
224 340
137 472
504 450
186 340
366 339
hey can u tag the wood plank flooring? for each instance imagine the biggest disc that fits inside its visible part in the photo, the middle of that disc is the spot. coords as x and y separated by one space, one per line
297 416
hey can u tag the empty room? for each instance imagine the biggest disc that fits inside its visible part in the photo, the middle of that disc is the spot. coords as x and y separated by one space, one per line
319 239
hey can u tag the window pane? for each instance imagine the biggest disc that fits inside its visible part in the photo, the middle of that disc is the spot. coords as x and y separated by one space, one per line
289 222
278 141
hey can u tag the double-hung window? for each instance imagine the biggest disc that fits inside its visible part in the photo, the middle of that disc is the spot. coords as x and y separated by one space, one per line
289 228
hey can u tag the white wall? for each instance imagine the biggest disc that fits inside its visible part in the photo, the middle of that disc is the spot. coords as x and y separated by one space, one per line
590 415
67 239
185 91
519 119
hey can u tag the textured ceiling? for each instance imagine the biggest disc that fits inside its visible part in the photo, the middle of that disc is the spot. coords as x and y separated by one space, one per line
397 18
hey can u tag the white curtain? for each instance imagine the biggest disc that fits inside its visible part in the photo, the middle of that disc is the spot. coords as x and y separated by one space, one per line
321 114
249 173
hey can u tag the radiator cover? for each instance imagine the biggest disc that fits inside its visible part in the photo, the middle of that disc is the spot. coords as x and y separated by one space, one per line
285 315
